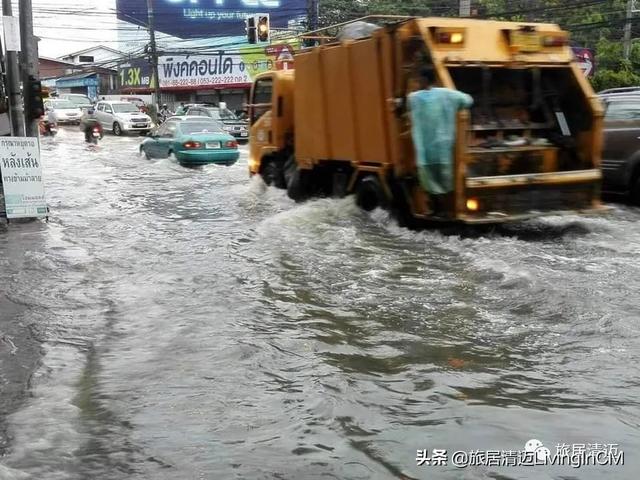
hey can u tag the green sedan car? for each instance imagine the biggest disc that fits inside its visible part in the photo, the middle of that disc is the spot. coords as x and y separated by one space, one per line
193 141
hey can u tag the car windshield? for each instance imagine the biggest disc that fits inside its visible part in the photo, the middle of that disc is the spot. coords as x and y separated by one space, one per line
125 108
79 100
62 104
189 128
222 114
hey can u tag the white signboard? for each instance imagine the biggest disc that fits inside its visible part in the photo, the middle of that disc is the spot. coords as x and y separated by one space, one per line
21 172
210 70
11 28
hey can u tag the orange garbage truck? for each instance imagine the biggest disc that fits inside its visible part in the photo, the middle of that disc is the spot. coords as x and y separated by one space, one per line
340 122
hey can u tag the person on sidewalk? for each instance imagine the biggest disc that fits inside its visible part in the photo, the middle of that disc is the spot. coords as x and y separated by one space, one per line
433 123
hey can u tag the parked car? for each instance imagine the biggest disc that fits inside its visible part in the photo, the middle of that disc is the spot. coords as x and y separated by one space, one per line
81 101
232 124
193 141
62 111
122 117
621 152
138 102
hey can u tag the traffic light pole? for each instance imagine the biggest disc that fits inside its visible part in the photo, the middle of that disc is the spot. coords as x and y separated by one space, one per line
29 64
154 52
13 83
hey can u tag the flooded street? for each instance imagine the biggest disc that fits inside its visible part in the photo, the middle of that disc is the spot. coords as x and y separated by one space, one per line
172 323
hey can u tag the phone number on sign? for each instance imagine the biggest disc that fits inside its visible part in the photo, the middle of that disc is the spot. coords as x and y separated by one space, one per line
195 82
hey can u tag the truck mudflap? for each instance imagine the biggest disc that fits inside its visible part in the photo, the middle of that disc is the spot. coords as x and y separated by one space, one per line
501 199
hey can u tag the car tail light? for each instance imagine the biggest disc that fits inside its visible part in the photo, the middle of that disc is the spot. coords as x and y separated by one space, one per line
96 129
191 145
231 144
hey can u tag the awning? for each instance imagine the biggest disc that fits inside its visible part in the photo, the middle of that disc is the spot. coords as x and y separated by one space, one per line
81 80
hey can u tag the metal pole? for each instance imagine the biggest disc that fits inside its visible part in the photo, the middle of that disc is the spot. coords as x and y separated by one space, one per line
627 30
13 84
154 52
465 8
29 61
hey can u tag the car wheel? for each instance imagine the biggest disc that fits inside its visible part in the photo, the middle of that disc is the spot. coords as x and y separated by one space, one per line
117 130
143 153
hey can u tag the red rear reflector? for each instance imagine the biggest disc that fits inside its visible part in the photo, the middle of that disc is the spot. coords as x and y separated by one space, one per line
191 145
555 41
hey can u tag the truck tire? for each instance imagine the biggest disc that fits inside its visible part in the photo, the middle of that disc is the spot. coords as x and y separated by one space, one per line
273 175
634 191
370 194
298 187
117 130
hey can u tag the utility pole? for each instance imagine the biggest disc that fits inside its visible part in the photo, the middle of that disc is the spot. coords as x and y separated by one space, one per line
465 8
627 29
13 83
29 62
154 52
314 13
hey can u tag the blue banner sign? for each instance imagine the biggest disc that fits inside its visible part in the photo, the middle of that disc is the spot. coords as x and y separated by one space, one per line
210 18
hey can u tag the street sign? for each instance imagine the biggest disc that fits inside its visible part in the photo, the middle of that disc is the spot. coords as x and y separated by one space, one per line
21 172
585 60
11 28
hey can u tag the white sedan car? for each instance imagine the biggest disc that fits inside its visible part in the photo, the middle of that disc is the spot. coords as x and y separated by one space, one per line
62 111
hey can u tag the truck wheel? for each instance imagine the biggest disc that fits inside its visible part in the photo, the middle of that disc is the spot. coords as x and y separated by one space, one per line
298 188
634 191
370 194
117 130
273 175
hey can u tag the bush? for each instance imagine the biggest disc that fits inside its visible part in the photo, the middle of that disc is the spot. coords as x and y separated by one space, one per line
605 79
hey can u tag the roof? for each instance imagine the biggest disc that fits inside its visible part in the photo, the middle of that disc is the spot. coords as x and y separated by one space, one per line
621 90
56 60
620 95
86 50
119 102
77 76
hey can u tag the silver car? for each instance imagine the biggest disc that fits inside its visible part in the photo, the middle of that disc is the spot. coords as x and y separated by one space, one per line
122 117
62 111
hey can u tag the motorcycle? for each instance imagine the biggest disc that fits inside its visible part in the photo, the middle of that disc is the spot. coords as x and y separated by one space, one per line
47 128
93 134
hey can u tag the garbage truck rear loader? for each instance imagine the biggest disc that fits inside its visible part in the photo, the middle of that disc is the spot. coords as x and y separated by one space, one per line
339 123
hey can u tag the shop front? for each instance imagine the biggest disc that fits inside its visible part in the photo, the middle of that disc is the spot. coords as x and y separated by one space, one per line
220 77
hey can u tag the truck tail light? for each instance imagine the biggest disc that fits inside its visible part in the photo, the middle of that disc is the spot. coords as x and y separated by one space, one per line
473 205
190 145
451 38
555 41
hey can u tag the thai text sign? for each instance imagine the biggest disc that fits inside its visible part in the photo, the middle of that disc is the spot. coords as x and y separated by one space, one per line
21 171
210 70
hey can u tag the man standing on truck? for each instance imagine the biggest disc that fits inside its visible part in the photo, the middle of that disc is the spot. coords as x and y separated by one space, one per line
433 119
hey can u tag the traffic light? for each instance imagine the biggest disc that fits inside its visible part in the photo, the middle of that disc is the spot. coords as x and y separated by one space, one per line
251 29
35 107
264 34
